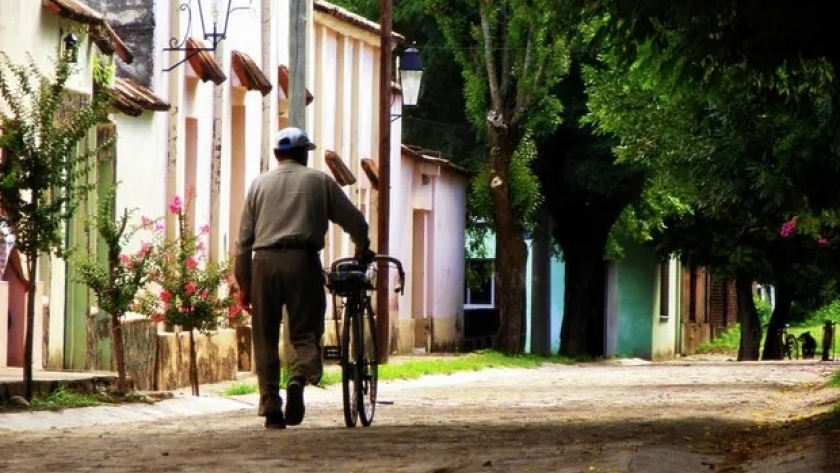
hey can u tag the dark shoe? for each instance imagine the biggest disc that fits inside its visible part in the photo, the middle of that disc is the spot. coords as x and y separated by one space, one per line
295 409
275 420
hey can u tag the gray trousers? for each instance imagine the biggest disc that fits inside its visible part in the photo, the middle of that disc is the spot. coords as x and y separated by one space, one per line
293 279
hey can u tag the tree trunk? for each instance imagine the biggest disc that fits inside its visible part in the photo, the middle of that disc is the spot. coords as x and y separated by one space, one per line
119 352
748 318
773 343
512 256
193 364
582 331
31 263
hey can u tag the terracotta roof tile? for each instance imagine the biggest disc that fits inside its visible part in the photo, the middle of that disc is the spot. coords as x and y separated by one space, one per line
283 79
132 98
203 62
353 18
248 73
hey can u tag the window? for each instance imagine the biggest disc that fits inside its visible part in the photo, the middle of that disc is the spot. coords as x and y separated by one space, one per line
480 286
664 289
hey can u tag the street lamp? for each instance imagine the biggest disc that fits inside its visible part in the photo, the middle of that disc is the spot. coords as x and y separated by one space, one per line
411 75
215 33
71 47
410 68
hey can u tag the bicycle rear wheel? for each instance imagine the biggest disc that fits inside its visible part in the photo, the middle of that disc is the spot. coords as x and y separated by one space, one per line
367 362
349 372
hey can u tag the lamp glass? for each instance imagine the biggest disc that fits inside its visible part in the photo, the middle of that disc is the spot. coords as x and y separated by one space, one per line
410 83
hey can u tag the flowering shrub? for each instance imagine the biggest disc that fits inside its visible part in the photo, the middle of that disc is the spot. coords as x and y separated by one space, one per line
118 278
793 226
188 291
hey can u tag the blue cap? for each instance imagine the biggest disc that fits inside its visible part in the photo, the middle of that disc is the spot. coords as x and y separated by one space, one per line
293 138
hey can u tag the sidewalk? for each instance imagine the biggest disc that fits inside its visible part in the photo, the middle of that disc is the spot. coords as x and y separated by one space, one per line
11 381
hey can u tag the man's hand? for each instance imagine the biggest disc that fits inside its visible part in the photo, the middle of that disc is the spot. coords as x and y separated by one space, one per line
245 299
365 256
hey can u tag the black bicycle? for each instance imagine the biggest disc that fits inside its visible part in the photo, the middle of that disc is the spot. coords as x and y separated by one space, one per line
352 282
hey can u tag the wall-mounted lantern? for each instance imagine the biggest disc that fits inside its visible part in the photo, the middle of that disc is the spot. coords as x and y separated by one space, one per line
71 47
411 75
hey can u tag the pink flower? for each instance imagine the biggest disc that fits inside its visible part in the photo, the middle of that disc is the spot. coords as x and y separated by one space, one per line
157 317
159 228
205 229
190 288
165 296
788 228
234 311
191 263
822 242
125 260
144 250
176 205
145 222
203 295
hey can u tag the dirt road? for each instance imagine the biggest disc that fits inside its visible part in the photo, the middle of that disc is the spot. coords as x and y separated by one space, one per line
594 417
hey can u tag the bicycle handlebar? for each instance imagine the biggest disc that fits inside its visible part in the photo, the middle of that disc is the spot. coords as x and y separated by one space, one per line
385 258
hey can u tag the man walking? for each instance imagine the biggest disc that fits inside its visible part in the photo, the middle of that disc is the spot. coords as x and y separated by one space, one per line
284 222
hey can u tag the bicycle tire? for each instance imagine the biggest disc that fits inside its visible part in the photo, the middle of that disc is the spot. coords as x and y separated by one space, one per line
368 365
349 373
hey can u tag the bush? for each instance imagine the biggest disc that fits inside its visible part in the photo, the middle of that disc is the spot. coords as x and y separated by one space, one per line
830 311
764 311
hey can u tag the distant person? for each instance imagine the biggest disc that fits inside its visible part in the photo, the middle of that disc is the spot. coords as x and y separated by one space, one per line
809 346
284 222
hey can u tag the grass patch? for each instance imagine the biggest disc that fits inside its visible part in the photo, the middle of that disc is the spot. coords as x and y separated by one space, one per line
727 342
417 368
60 399
834 382
63 398
413 369
240 389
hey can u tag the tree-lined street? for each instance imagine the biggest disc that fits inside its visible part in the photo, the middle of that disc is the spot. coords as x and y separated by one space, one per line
615 416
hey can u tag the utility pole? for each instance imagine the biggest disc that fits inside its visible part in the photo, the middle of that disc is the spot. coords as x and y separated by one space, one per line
383 323
216 158
298 43
298 36
269 68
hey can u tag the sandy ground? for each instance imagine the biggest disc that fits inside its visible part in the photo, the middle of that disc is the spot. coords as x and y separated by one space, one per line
626 416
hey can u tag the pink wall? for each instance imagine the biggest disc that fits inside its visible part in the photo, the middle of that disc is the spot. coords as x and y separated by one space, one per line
428 228
17 317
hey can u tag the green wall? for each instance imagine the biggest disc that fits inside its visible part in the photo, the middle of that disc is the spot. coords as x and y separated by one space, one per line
636 288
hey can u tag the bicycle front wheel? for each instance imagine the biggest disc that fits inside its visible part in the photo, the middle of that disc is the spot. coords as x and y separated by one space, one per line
349 373
367 362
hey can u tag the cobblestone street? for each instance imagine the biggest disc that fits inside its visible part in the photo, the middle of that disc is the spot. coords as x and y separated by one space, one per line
595 417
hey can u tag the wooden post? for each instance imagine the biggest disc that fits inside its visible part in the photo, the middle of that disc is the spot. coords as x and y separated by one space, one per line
383 325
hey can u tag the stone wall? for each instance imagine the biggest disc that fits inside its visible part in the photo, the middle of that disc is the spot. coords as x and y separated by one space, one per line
134 21
160 361
216 357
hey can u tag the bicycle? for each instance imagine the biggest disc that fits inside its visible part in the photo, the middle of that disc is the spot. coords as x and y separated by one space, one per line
353 282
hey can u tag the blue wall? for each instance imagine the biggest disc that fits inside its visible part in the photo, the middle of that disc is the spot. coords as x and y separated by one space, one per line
558 277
